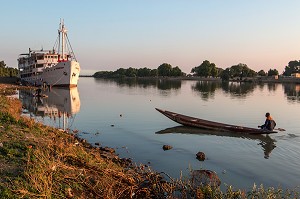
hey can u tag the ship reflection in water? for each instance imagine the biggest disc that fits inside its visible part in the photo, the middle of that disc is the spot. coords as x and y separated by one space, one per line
56 107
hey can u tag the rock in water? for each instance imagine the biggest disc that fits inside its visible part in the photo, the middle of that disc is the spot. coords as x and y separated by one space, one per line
167 147
200 156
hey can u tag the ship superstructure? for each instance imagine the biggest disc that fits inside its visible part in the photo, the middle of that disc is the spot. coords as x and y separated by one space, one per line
56 67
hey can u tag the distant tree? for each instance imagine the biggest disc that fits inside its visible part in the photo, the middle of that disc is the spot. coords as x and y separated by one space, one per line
225 74
154 73
261 73
237 70
220 70
7 71
164 69
241 70
292 67
176 72
205 69
102 74
121 72
143 72
251 73
214 72
131 72
272 72
2 64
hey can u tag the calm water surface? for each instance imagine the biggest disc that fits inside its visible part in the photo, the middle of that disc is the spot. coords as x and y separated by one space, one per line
121 114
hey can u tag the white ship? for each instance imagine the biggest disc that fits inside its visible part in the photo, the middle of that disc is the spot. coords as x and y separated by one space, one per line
56 67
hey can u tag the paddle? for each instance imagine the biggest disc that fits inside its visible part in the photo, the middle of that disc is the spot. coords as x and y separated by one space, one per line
279 129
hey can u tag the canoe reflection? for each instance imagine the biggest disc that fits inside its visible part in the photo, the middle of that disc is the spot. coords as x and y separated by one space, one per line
57 103
265 141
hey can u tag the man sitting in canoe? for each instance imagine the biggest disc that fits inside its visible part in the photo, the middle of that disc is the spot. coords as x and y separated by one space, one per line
269 123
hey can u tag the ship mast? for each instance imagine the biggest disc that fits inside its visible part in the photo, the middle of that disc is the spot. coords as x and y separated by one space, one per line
62 31
62 44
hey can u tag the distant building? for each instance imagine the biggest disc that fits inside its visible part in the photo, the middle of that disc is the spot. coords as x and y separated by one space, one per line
297 75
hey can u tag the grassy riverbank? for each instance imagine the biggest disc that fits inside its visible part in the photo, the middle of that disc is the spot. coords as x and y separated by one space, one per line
38 161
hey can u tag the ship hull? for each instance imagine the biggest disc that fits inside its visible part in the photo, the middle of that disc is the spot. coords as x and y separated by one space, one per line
63 74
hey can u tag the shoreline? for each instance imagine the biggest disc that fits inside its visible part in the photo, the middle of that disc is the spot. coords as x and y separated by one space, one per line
195 78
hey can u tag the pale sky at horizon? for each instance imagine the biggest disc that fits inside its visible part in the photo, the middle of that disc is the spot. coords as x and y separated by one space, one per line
107 35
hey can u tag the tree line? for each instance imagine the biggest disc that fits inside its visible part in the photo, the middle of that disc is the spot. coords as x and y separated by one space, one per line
240 71
165 70
7 71
205 69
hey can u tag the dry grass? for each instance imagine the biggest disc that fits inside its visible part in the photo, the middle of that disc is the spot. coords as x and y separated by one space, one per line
55 164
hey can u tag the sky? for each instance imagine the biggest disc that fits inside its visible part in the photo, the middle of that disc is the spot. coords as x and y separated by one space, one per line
107 35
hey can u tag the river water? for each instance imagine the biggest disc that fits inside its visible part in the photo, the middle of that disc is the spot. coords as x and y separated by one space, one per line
121 114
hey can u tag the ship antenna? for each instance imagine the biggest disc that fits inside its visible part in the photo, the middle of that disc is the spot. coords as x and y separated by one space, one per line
62 40
58 39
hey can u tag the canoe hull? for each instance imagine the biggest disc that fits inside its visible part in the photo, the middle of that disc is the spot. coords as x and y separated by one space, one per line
206 124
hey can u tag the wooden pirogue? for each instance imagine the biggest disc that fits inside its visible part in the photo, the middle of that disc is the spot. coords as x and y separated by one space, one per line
206 124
